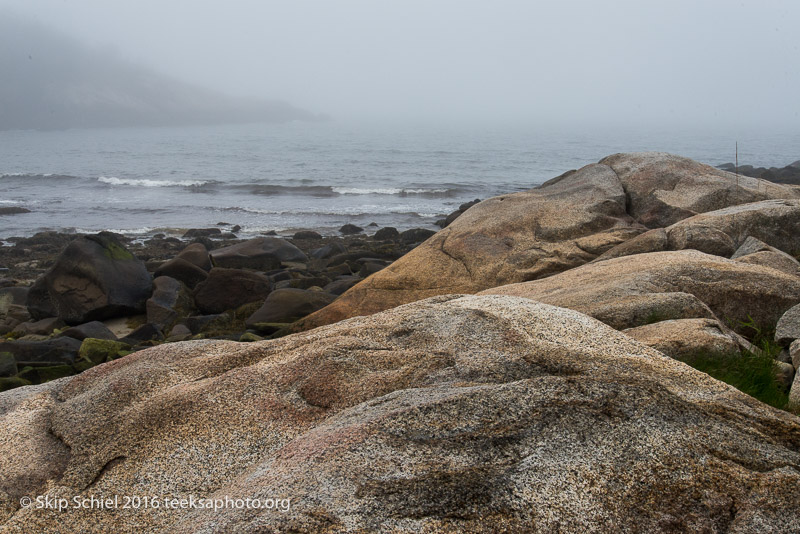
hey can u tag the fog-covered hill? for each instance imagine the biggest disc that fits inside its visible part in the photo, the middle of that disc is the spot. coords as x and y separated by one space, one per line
52 81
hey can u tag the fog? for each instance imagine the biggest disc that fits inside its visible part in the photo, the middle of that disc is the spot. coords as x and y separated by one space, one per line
677 62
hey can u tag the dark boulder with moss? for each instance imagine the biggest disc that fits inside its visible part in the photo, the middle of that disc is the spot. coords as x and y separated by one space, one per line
94 278
95 351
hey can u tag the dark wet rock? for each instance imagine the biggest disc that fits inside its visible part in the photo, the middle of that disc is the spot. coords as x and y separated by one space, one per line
12 382
341 269
198 323
47 352
40 327
146 332
260 254
280 276
201 232
38 301
342 284
789 174
8 364
171 299
182 270
306 234
287 305
415 235
95 277
306 282
226 289
196 254
328 251
92 329
457 213
350 229
387 234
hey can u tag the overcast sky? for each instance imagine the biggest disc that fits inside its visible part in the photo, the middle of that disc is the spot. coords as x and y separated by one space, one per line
693 62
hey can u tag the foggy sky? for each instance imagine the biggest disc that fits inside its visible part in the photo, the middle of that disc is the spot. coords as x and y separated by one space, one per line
679 62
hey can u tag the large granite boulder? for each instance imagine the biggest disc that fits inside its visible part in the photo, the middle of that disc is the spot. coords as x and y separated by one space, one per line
683 339
663 188
94 278
734 291
775 222
454 414
260 254
721 231
511 238
574 219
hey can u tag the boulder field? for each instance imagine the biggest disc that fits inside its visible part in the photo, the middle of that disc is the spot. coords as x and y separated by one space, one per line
452 414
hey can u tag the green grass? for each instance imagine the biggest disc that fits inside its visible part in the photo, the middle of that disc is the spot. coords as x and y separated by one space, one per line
750 373
753 373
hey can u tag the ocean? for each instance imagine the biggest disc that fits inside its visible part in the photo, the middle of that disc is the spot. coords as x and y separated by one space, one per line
284 177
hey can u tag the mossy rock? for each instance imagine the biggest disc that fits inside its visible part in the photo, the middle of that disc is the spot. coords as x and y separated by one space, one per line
249 337
47 374
100 350
11 382
115 251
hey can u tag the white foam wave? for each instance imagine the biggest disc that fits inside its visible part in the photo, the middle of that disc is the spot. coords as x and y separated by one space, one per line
113 180
352 211
385 191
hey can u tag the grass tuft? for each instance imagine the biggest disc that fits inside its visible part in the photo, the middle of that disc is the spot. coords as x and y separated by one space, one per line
753 373
750 373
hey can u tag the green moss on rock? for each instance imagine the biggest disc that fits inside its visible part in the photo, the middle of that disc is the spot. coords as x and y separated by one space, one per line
11 382
100 350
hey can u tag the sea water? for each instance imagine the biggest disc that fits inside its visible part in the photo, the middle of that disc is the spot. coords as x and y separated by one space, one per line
283 177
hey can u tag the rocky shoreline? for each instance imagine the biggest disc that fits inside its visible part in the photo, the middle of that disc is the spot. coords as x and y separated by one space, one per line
209 284
544 363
